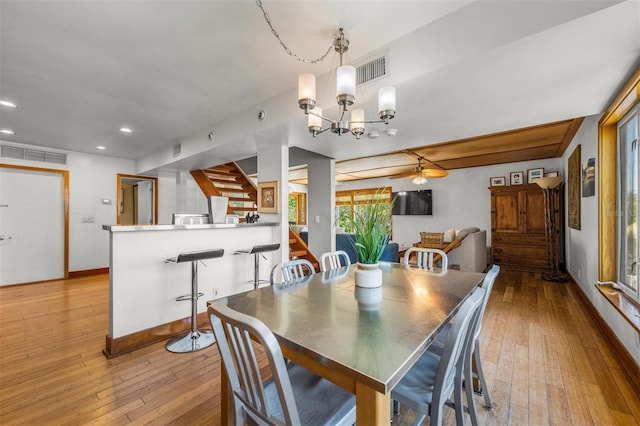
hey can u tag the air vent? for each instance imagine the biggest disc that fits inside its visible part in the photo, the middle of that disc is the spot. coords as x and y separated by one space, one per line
17 153
56 157
35 155
12 152
177 149
371 70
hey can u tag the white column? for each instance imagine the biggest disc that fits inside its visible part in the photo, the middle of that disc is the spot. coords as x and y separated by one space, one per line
321 201
273 164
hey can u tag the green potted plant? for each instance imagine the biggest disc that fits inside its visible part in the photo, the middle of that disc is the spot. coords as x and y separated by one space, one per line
371 224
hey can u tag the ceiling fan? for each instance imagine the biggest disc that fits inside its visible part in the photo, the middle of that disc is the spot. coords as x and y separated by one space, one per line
420 174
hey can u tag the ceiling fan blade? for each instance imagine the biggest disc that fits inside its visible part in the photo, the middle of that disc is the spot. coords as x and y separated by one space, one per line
434 173
402 175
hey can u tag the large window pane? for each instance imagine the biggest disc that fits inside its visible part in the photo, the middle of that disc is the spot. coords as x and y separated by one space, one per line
628 203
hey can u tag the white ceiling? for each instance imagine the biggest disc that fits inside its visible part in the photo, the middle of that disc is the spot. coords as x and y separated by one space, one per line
176 70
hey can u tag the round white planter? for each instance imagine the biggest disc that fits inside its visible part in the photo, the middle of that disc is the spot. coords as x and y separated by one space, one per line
368 275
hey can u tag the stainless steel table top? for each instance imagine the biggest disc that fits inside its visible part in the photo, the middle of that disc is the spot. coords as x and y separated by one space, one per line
323 319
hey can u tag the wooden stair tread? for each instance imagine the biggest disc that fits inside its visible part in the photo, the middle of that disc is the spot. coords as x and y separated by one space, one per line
297 253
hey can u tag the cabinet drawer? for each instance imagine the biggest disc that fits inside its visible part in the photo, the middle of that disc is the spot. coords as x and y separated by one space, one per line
526 251
518 238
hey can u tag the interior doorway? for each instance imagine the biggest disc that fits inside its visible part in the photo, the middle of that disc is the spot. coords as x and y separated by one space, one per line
137 200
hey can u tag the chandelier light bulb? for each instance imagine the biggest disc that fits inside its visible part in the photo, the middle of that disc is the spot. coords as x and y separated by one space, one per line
356 125
315 120
306 91
387 102
346 84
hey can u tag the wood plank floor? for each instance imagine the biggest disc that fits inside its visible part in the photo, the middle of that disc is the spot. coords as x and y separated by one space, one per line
545 360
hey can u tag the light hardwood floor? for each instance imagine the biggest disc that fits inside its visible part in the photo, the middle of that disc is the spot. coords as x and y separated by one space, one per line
545 360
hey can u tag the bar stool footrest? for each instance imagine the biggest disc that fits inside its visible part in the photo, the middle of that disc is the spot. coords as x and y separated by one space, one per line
189 297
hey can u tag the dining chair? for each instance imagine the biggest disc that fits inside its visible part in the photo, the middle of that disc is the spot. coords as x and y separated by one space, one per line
334 260
487 285
291 394
438 345
428 385
426 258
290 271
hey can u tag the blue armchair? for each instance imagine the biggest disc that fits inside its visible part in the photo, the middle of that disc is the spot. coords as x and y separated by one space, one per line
345 242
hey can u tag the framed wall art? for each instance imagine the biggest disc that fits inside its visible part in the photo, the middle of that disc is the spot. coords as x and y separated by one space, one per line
589 178
268 197
517 178
534 174
497 181
573 188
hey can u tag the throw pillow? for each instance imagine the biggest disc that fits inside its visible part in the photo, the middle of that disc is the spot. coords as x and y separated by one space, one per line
466 231
449 235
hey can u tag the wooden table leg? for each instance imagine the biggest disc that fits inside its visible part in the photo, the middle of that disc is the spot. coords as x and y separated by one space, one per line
227 411
372 408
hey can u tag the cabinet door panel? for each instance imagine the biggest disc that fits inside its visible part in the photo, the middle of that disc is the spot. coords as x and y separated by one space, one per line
533 206
506 212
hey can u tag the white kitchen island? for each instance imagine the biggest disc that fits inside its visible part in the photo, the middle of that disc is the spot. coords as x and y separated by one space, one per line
143 287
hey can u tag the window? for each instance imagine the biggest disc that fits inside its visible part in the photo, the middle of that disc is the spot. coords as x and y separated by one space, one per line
627 235
297 208
347 201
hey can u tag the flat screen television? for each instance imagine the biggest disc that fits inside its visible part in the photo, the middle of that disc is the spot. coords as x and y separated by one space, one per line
412 203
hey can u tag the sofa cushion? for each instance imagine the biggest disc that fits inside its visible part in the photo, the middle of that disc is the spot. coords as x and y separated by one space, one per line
449 235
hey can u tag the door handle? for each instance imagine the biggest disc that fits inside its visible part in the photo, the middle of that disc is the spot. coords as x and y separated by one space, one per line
4 237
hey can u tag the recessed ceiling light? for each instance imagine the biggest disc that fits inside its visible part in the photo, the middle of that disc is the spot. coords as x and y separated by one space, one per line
7 131
8 104
101 147
126 130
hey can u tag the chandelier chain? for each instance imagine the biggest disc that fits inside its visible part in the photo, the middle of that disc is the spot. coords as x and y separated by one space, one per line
286 48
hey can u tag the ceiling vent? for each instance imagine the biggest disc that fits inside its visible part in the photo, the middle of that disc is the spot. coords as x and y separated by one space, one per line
7 151
371 70
177 149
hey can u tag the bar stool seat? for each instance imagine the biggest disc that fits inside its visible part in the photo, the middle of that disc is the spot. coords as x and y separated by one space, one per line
193 339
257 251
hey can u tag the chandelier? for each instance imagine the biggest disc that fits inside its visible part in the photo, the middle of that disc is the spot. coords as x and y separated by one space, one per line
345 96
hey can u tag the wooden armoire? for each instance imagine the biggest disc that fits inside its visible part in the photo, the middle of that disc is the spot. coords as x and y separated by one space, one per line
518 227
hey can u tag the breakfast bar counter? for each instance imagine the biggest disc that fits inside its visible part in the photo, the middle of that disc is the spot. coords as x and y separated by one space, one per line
143 287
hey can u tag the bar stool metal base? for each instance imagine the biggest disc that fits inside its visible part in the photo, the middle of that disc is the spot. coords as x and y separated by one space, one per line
186 342
193 339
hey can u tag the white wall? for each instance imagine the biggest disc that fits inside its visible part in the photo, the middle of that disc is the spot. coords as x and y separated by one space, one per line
460 200
582 245
94 177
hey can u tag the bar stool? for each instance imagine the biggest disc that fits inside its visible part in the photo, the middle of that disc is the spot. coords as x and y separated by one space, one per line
194 339
257 251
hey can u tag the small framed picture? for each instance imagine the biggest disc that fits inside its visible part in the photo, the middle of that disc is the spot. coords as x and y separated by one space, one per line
517 178
497 181
550 174
534 174
268 197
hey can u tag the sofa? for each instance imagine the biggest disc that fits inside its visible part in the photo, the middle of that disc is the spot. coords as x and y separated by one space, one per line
345 242
471 253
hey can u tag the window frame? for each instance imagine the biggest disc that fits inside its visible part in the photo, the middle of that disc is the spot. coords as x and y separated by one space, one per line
622 207
625 100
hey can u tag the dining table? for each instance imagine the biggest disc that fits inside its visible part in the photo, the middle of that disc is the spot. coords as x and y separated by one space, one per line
362 339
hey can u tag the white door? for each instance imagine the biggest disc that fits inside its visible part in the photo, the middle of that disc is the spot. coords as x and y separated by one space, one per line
31 226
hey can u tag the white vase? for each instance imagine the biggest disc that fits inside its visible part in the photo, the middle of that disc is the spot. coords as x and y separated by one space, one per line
368 275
